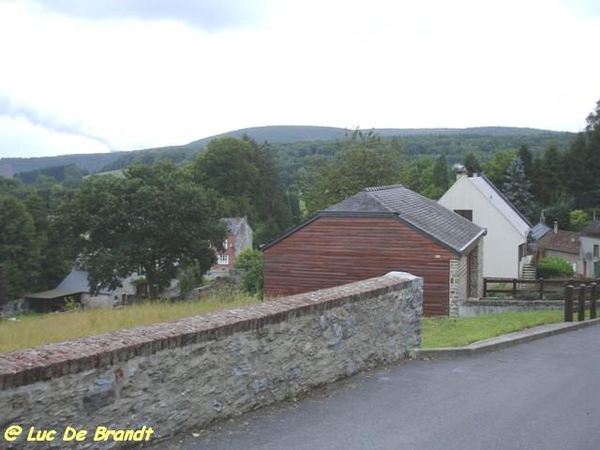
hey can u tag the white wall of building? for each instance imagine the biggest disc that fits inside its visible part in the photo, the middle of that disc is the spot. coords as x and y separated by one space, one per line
502 241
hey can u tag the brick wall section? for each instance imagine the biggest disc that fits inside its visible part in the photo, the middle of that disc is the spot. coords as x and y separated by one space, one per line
184 374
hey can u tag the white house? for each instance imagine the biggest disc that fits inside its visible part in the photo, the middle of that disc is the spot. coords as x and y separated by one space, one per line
505 244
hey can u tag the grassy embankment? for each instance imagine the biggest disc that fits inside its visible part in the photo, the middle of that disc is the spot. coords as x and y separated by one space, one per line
37 329
33 330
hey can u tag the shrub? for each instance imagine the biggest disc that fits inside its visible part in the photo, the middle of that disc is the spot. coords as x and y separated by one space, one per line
554 268
578 219
251 262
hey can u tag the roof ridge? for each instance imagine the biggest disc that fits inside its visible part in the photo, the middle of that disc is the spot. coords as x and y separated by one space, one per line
503 197
382 188
372 192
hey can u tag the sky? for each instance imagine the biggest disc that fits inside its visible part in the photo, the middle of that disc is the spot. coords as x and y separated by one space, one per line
89 76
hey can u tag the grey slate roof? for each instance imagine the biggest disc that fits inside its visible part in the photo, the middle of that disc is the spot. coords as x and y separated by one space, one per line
424 214
77 281
539 230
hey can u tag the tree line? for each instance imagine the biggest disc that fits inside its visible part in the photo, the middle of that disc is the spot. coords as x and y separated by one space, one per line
157 220
162 219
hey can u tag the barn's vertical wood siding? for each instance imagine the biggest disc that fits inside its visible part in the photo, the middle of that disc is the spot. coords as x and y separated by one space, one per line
336 250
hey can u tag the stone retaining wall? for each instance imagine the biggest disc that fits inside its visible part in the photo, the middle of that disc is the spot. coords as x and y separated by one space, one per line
484 307
185 374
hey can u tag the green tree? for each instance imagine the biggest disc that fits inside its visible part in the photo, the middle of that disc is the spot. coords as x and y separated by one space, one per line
417 175
244 174
441 178
560 213
227 168
364 159
527 158
549 185
251 262
3 286
517 187
471 164
153 222
582 163
19 251
495 169
578 219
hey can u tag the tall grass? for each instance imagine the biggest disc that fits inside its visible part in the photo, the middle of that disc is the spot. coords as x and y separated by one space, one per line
32 330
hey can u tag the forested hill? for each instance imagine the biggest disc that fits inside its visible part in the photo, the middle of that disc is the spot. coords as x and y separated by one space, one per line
301 140
295 133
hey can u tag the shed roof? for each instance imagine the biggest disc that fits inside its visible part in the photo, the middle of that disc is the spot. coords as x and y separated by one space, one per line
52 294
423 214
539 230
77 281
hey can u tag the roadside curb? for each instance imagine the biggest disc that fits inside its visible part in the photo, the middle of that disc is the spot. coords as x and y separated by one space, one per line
500 342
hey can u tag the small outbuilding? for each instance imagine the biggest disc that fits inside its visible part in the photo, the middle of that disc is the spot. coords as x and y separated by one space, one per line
379 230
74 288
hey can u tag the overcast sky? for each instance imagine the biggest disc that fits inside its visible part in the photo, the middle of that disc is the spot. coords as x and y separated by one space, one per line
85 76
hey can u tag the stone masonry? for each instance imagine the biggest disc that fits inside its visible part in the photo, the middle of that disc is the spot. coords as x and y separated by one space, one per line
184 374
458 284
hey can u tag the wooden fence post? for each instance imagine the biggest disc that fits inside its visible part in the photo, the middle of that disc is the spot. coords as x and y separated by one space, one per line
569 303
514 292
541 288
581 308
485 282
593 300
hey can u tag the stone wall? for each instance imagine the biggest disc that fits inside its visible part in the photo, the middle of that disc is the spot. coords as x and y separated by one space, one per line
476 288
487 306
458 284
184 374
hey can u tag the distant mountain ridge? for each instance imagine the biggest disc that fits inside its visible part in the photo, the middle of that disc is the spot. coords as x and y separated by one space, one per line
296 133
276 134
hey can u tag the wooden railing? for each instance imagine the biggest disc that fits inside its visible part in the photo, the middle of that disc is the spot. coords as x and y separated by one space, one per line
580 292
579 296
512 286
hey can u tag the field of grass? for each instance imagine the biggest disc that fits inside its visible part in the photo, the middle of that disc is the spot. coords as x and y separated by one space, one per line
38 329
452 332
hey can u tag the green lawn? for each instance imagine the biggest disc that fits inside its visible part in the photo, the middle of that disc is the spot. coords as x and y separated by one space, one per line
456 332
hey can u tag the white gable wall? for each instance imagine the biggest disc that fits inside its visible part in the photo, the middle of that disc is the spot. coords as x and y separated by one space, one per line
502 241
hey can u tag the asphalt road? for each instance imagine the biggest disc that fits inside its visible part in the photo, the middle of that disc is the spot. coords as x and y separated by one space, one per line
540 395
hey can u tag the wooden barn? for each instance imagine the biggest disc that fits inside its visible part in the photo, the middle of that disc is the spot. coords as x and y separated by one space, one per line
376 231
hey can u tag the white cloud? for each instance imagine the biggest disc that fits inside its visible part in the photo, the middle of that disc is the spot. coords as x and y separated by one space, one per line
130 79
19 138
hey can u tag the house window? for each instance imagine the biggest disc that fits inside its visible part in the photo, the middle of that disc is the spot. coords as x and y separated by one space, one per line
596 250
223 260
225 244
466 213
